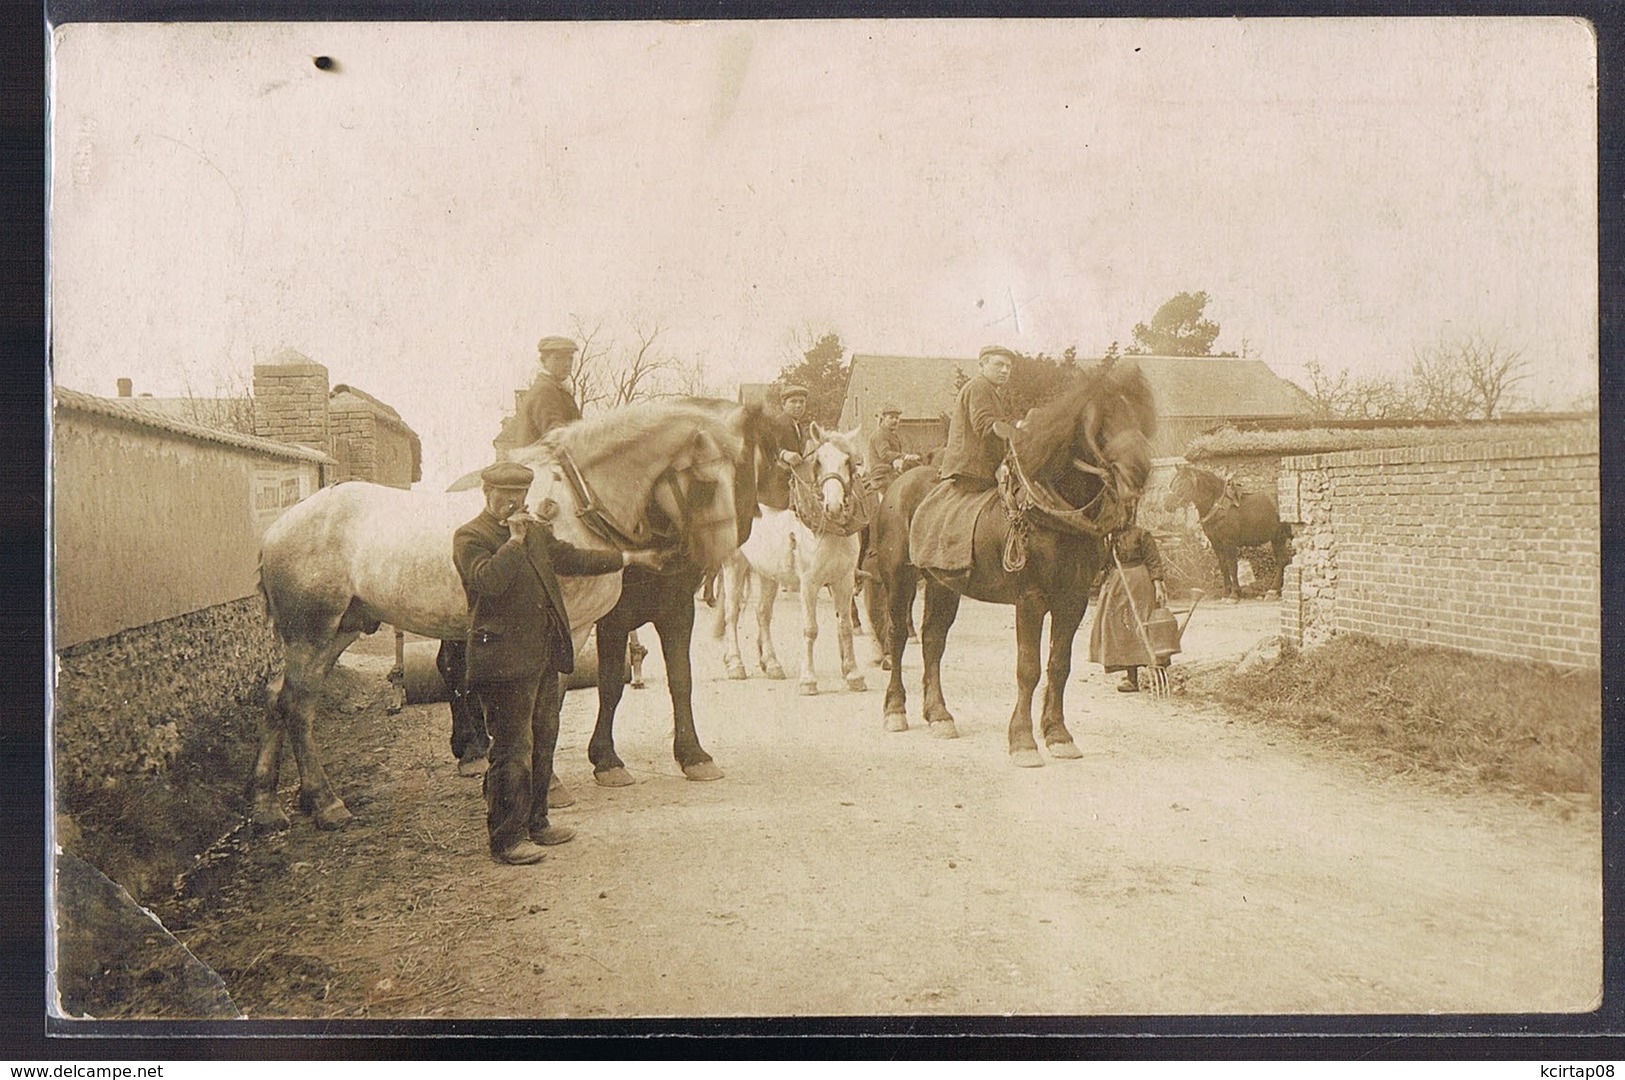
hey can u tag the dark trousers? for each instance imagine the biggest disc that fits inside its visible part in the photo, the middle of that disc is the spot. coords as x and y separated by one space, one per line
523 717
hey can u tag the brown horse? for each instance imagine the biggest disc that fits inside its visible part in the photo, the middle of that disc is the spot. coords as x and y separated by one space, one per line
1090 447
1232 520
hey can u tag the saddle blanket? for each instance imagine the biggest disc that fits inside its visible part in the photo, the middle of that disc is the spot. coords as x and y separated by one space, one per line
939 537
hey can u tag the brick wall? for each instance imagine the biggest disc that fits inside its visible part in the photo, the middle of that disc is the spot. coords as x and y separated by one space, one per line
1491 548
290 404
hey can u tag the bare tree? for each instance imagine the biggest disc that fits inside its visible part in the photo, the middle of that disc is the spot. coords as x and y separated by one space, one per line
591 377
229 408
638 374
1465 379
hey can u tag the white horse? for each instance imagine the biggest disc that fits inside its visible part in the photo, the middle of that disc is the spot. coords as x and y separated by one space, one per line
335 566
815 544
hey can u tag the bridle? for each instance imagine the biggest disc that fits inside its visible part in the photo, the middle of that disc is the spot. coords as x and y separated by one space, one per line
679 482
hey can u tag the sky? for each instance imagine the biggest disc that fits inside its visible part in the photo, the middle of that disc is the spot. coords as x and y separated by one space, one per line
415 217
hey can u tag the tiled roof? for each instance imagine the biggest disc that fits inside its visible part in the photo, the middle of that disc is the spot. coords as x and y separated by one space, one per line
131 411
1195 386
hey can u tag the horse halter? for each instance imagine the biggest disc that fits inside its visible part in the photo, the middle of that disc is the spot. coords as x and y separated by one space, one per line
642 533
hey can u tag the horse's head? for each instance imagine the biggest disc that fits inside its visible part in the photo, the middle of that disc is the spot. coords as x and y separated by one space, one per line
1180 488
672 472
835 463
1092 444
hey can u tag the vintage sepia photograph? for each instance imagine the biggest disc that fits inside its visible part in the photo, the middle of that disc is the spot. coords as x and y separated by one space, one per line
1000 519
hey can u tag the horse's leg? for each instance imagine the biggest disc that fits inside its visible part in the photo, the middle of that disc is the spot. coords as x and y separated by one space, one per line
767 595
731 582
608 770
941 605
267 814
635 652
874 598
809 588
842 588
674 622
1063 628
397 676
1278 547
299 700
470 742
899 593
1228 556
1029 636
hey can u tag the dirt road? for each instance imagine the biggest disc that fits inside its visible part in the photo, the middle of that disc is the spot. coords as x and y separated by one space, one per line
1188 864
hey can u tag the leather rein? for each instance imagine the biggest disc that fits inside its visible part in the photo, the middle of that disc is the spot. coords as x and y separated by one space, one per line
640 534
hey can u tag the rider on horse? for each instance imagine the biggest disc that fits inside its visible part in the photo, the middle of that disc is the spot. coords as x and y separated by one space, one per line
886 455
982 423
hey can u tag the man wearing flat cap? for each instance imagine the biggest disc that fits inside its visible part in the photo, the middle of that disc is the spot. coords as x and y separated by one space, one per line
886 456
788 436
982 423
519 643
548 403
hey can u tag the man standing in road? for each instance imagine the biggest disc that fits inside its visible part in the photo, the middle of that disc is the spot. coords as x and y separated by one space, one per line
519 643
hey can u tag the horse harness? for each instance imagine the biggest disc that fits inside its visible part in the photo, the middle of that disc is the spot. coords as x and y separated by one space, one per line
1020 497
641 534
857 506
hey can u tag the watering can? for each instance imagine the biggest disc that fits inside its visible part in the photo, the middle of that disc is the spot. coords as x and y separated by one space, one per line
1163 631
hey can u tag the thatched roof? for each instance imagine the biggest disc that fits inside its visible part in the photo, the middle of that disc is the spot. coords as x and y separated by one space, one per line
1318 436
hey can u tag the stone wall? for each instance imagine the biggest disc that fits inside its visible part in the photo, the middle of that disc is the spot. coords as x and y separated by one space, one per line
1492 548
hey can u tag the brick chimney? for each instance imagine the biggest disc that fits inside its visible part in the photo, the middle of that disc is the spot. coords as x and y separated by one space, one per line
290 401
125 388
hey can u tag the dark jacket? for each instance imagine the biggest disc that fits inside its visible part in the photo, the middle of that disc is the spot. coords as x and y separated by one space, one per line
519 626
1134 546
973 450
782 433
885 447
546 405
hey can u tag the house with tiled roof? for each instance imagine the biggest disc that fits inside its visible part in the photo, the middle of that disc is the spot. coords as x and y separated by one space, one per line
1193 394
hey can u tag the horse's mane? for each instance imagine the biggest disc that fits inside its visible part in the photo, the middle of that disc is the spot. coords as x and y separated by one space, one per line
1052 430
650 423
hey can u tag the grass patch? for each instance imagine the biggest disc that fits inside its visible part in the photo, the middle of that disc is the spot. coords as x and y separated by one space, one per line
1472 722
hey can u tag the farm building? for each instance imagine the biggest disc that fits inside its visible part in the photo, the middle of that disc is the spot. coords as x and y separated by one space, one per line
1193 394
291 402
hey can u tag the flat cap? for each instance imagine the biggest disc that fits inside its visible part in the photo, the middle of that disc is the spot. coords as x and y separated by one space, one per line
554 343
994 350
889 409
793 390
506 474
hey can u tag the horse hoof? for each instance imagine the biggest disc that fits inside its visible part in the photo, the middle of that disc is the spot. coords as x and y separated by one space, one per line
944 729
1272 595
637 684
1026 759
885 663
616 777
702 770
896 721
1066 750
473 766
774 671
809 689
737 673
269 819
856 684
558 796
332 817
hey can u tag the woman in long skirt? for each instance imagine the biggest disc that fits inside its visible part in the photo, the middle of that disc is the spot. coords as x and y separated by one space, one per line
1133 589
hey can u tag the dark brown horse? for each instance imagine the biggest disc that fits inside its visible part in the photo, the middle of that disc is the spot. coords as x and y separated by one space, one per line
1091 448
1232 520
